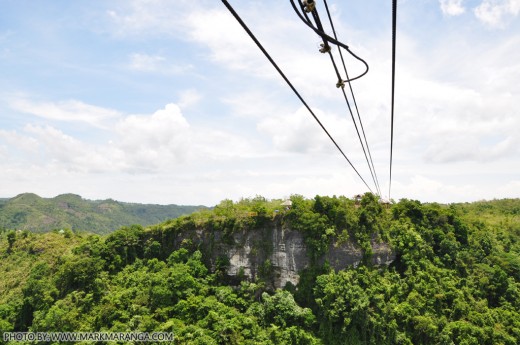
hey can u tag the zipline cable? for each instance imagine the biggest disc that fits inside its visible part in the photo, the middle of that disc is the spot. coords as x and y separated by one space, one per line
259 45
394 30
353 97
326 49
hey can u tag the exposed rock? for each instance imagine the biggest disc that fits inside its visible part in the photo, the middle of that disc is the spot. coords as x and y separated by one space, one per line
285 249
290 255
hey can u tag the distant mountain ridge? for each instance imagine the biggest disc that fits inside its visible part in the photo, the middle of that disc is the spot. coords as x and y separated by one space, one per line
29 211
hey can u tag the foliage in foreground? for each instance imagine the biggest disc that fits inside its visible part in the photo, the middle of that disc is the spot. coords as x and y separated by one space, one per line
455 280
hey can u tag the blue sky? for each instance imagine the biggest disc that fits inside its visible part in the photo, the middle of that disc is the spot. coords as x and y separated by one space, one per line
162 101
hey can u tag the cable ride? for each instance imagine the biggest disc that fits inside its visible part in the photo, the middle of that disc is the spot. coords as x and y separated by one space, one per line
320 32
308 7
352 93
275 65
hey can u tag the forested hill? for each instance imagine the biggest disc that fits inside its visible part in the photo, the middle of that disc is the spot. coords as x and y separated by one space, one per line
454 277
69 211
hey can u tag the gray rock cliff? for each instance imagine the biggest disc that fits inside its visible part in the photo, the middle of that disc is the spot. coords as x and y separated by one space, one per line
278 248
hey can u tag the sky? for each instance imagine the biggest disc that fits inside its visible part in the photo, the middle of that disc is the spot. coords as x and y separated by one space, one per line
170 102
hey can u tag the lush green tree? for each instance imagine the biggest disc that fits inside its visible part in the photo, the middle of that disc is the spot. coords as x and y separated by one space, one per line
11 238
39 294
124 246
281 309
79 273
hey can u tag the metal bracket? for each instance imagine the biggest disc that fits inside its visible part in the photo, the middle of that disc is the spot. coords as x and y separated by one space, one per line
310 5
325 48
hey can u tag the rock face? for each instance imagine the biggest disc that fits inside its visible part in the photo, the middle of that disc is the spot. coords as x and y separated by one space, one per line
289 255
277 251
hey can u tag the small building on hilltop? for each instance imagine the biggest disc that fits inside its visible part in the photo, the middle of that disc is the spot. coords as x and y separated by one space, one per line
287 204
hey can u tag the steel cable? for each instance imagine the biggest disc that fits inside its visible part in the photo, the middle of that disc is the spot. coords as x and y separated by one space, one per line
326 48
259 45
394 32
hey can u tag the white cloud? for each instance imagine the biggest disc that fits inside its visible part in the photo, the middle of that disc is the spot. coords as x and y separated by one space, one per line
514 7
156 63
156 140
510 190
224 37
62 151
428 189
69 111
145 17
4 153
188 98
165 140
159 142
495 13
448 186
140 143
229 46
446 112
144 62
452 7
296 132
246 103
18 141
460 147
473 126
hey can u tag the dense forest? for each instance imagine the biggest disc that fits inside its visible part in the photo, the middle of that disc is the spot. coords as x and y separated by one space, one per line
455 278
69 211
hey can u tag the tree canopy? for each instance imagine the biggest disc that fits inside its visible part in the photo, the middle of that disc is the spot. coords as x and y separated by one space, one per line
455 278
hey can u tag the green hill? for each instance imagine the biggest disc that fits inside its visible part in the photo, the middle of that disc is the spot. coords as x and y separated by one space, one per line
453 277
69 211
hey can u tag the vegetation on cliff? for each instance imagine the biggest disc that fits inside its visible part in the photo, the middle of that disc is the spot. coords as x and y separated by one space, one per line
455 280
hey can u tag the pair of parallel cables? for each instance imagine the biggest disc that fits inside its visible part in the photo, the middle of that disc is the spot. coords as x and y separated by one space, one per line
308 6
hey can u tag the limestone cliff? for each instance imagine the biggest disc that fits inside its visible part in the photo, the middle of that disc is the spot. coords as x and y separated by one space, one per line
276 250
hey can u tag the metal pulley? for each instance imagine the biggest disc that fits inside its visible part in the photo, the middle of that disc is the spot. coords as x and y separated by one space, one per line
324 48
309 5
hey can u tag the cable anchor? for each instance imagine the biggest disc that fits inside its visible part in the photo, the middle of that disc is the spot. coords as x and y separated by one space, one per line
309 5
340 84
325 48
